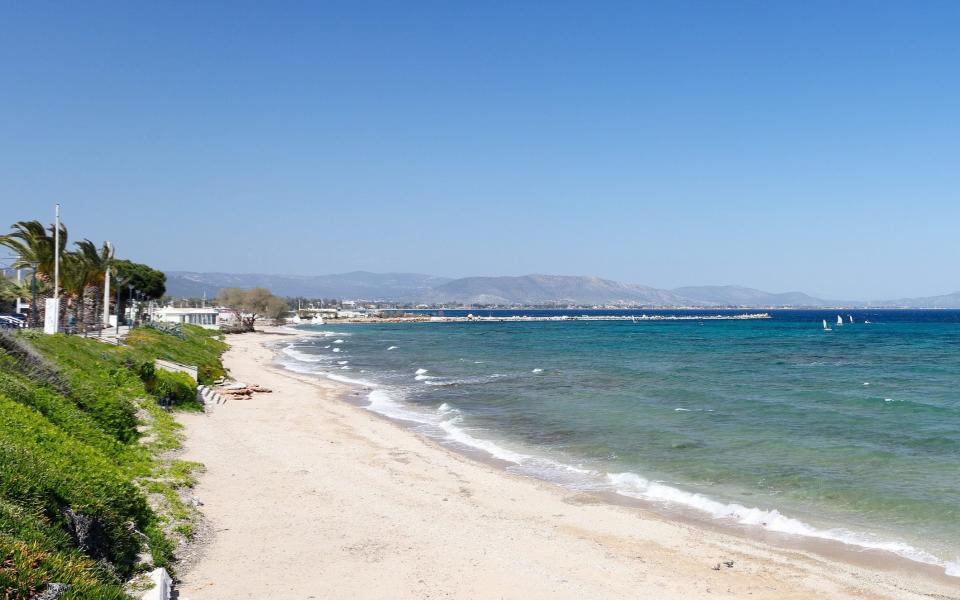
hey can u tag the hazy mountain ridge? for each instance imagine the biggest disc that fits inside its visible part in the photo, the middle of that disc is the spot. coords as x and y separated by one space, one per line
735 295
521 290
545 289
357 284
942 301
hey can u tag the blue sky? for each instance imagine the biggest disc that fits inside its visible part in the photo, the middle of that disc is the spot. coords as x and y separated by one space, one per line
804 145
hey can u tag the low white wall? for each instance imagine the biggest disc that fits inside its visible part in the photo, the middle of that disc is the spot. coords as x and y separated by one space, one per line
174 367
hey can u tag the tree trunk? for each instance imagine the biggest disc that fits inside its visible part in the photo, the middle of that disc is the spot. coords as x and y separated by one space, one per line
91 296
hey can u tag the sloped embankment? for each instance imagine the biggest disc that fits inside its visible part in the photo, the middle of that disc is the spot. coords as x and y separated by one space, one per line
89 495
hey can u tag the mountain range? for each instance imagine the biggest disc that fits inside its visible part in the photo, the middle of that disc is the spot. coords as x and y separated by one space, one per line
515 291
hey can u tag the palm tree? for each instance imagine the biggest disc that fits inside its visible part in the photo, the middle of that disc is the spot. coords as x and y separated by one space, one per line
96 262
8 292
35 247
73 277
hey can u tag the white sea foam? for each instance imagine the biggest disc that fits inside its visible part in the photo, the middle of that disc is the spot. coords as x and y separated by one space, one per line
342 362
420 372
292 352
455 433
445 421
537 371
681 410
336 349
392 348
635 486
298 367
337 341
437 381
343 379
381 402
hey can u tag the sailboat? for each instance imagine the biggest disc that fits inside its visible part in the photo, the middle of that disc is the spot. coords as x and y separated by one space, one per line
825 326
851 319
839 320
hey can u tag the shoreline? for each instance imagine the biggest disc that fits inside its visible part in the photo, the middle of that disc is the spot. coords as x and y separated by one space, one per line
639 550
471 318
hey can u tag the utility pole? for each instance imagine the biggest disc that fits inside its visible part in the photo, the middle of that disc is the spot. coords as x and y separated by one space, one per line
106 289
118 309
52 313
56 261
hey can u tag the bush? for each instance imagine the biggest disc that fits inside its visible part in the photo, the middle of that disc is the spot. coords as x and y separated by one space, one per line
100 381
73 475
54 476
27 568
197 346
174 389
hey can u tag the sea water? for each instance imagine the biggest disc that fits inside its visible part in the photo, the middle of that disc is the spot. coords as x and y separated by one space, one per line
850 435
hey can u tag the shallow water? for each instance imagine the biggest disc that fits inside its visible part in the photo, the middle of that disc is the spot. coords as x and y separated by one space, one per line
852 434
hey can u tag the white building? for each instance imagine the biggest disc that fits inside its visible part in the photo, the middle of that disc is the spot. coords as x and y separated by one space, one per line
204 317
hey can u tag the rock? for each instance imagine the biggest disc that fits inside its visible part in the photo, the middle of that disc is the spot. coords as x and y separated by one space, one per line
87 533
52 591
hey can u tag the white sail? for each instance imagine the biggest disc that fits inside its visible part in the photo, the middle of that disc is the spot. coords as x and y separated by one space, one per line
839 320
850 317
825 325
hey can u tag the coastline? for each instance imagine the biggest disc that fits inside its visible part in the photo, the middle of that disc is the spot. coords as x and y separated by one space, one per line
310 494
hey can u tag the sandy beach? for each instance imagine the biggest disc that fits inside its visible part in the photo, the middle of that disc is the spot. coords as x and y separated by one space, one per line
310 496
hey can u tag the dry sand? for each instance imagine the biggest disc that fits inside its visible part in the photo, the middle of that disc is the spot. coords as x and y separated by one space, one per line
310 496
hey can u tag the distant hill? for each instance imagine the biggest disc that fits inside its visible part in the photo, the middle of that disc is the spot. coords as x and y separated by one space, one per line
523 290
516 291
734 295
944 301
358 284
545 289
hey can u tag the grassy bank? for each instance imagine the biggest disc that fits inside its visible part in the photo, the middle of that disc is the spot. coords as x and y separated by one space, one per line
89 496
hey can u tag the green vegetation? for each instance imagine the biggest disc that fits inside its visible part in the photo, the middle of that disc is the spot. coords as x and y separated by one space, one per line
88 496
194 346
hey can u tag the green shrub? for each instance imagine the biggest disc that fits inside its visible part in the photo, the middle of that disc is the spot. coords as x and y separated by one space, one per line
47 471
195 346
70 454
27 568
174 389
99 381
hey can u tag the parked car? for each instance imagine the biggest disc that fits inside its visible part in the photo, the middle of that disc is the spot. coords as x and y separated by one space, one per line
12 321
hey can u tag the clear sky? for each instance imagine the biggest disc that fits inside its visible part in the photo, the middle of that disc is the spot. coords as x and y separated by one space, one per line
801 145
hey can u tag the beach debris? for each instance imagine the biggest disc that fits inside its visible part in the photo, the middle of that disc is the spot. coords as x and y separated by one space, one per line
242 391
728 564
716 567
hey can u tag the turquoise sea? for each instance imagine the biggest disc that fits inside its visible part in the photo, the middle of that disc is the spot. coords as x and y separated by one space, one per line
850 435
